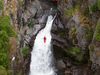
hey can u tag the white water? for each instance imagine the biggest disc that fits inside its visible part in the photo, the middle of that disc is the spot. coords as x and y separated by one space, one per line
41 55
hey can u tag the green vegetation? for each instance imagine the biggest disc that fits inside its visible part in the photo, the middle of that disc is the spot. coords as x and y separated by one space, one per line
89 33
74 50
98 3
95 6
76 54
3 71
72 32
6 27
6 31
25 51
31 23
61 32
97 32
1 4
72 35
91 47
21 2
71 11
86 11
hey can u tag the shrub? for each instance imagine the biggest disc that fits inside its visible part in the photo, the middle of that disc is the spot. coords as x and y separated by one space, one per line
74 51
6 26
6 31
25 51
76 54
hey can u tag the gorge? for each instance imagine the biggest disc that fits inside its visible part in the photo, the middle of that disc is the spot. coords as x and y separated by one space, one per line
75 36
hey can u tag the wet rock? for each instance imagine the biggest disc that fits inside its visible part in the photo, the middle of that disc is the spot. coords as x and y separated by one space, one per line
76 71
31 42
43 19
60 64
32 10
81 70
37 5
36 29
67 72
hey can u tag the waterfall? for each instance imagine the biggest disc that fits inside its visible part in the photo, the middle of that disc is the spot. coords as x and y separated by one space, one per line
41 55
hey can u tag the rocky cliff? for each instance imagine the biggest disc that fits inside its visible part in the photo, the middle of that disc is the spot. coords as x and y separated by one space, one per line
75 32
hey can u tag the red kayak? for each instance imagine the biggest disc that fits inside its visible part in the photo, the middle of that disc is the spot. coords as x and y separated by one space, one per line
44 39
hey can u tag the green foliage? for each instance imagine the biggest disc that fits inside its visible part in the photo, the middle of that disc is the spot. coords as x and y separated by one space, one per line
86 11
31 23
6 31
1 4
97 37
61 32
76 54
73 32
6 26
89 33
98 3
97 32
3 40
25 51
3 70
71 11
91 51
21 2
4 59
74 50
95 6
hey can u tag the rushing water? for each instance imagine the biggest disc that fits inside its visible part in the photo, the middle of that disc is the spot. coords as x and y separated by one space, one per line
41 55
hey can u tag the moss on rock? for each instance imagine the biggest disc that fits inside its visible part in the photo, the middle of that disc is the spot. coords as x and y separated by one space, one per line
76 54
72 35
25 51
74 51
97 32
89 34
71 11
